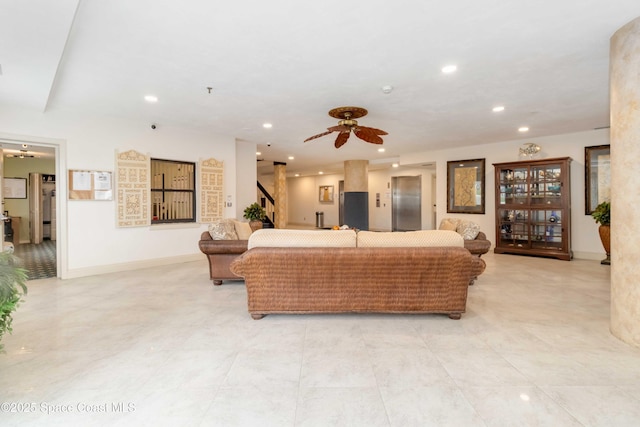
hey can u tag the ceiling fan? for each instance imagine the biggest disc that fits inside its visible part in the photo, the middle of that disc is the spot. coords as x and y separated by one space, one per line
347 124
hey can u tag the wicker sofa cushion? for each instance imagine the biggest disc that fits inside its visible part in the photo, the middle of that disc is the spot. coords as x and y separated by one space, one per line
420 238
285 238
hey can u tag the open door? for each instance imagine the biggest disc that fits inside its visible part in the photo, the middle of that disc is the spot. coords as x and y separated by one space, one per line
35 208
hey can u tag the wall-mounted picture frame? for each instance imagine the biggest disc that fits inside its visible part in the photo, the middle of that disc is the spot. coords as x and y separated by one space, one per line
325 194
14 188
465 186
597 176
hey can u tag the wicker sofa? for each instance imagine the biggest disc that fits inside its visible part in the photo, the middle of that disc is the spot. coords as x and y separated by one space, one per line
304 271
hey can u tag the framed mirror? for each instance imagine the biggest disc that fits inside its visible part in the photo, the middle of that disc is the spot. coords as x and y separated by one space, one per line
597 176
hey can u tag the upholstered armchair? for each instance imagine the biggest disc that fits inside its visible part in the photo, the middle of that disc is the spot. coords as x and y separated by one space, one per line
475 241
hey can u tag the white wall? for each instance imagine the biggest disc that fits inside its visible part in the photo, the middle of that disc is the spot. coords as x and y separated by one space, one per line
246 177
92 243
304 201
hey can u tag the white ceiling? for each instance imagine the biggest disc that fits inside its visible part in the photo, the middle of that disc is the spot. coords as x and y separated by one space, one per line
288 63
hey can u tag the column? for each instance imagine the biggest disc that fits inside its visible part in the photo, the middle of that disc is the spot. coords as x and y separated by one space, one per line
356 194
624 75
280 194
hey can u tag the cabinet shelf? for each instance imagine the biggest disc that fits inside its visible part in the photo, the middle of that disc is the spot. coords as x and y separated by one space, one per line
533 208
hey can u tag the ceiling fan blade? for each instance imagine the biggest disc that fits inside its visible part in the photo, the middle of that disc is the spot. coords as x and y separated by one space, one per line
374 130
318 135
366 135
339 128
342 139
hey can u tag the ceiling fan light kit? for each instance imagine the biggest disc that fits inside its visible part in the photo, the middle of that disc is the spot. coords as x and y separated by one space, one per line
347 124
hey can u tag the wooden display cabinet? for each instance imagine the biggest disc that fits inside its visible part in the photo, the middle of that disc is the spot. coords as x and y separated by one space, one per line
533 208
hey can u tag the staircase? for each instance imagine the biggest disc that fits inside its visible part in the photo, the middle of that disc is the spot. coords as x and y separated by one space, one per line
269 204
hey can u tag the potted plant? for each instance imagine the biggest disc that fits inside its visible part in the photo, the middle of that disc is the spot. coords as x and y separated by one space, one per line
255 214
12 288
602 216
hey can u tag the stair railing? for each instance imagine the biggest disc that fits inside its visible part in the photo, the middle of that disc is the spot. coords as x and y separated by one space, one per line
268 203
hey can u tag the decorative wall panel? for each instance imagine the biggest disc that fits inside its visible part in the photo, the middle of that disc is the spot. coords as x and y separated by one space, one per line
211 190
133 189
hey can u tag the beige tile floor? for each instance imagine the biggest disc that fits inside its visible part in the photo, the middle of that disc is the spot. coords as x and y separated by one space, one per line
164 347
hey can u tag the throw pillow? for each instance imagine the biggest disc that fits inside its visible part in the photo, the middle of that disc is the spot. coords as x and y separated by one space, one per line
449 224
223 230
469 230
243 230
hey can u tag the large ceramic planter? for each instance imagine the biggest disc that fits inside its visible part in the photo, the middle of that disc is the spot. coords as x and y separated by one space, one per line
605 237
255 225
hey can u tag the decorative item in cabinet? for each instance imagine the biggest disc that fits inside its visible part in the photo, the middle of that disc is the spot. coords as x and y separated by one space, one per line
533 208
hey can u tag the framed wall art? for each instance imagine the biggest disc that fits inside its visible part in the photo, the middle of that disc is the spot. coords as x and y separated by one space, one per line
14 188
465 186
597 176
325 194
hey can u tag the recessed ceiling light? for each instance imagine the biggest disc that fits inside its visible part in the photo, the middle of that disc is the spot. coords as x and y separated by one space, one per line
320 173
395 165
380 150
297 174
151 98
290 157
24 146
258 153
267 125
387 89
498 109
448 69
523 129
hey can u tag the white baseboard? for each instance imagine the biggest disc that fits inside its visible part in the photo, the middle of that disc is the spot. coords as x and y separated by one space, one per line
128 266
589 255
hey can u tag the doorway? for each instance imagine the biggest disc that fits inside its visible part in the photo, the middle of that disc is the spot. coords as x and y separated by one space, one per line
36 166
406 203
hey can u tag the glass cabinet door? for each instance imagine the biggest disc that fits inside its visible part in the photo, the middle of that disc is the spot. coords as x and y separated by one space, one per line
514 186
546 229
514 228
546 185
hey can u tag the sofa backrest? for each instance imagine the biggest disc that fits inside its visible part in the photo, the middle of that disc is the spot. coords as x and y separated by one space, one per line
286 238
420 238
